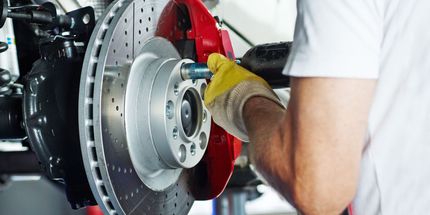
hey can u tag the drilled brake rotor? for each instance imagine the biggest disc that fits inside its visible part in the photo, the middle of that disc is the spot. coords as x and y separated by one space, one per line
141 125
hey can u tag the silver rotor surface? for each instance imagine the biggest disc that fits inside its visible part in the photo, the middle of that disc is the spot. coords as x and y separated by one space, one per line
117 40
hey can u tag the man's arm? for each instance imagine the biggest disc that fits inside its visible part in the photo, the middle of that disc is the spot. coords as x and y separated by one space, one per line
311 153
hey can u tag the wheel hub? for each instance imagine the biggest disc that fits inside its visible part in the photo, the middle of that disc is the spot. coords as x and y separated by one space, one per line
174 117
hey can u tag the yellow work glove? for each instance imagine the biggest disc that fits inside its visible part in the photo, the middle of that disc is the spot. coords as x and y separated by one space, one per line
230 88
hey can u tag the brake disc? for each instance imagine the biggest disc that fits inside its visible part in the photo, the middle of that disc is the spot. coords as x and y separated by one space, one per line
141 125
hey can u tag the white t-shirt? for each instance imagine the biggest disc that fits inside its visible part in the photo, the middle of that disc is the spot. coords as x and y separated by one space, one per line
387 40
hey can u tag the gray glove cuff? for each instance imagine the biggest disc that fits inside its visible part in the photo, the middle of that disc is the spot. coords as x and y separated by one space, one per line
227 111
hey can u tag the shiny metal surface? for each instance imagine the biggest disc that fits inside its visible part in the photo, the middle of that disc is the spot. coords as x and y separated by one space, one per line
147 163
158 145
107 95
195 71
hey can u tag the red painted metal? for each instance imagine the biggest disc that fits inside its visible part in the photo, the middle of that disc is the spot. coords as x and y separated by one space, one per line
350 209
94 210
203 31
190 20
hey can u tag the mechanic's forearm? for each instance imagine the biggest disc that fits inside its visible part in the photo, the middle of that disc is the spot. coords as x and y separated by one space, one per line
270 143
311 159
280 162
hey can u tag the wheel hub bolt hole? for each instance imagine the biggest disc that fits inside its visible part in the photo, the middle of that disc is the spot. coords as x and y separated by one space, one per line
176 89
202 91
193 149
203 141
182 153
175 133
205 116
170 110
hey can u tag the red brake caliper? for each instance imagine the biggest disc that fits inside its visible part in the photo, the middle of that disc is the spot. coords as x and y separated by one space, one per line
193 30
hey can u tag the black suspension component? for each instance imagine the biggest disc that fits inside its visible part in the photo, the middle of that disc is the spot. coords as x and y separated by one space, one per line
51 116
5 79
3 12
45 14
11 127
40 17
23 162
46 113
11 117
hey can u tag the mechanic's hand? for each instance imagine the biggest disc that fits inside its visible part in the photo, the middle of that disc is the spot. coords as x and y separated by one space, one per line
230 88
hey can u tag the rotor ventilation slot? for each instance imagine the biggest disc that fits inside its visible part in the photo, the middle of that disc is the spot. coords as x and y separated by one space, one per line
90 93
90 114
103 35
98 48
103 188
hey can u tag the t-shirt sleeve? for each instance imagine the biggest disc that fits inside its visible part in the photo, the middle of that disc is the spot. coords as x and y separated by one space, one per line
336 38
